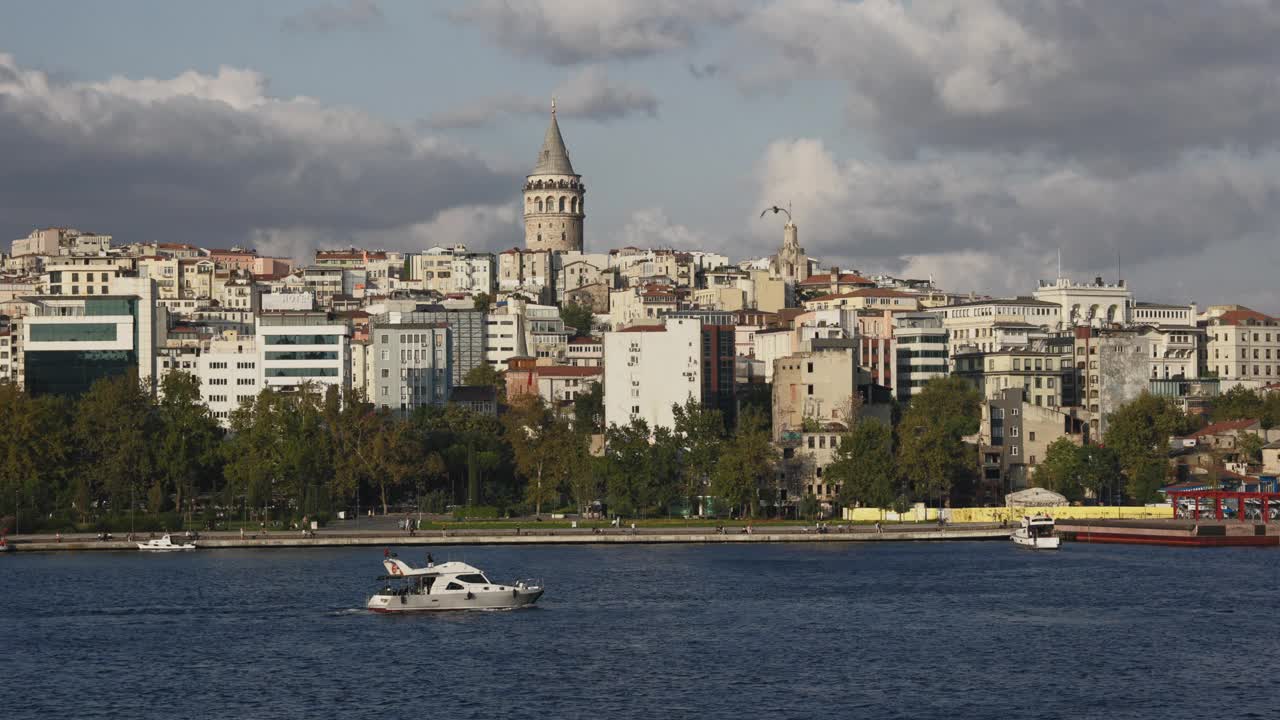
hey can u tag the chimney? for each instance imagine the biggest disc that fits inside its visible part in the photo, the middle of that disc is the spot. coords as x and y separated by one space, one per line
835 280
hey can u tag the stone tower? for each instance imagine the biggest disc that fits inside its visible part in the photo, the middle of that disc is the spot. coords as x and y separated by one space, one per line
554 197
791 263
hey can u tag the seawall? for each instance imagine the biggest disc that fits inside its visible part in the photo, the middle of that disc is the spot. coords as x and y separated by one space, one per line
567 537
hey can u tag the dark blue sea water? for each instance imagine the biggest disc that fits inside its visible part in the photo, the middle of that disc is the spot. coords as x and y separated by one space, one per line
947 630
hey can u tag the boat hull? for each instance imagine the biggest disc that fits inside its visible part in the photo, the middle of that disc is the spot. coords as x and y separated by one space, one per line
491 600
174 548
1043 543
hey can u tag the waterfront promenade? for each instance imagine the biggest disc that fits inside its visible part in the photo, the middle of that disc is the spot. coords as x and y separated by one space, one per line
535 536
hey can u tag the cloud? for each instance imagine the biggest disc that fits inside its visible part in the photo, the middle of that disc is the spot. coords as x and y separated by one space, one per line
216 160
1117 85
651 228
590 94
354 15
479 227
569 32
703 71
982 221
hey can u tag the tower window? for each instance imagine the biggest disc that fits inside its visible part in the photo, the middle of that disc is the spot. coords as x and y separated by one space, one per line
573 205
539 205
561 203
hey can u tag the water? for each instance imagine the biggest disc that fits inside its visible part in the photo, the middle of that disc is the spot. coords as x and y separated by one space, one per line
954 630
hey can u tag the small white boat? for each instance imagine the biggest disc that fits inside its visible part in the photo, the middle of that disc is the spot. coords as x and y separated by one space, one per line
446 586
164 544
1036 532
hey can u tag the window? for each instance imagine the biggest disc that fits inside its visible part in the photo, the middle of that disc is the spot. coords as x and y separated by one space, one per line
453 586
474 579
1032 437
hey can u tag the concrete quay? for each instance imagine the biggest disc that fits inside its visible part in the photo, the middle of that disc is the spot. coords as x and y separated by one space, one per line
438 538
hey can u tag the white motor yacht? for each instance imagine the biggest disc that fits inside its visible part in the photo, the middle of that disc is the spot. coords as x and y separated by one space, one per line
1036 532
446 586
164 544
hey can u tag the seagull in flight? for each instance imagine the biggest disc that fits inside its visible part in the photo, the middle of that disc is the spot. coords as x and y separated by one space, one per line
776 210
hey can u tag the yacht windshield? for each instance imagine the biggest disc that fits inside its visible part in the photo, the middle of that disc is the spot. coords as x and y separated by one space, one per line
474 579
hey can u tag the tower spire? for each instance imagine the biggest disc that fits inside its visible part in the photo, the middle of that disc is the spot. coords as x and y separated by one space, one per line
553 158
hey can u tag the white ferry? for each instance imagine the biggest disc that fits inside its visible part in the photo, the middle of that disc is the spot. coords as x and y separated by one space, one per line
446 586
164 544
1036 532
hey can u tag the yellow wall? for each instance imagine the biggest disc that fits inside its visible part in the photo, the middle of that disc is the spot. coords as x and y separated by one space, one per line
965 515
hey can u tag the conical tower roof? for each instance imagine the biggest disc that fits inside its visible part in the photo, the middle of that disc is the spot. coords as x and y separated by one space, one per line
553 158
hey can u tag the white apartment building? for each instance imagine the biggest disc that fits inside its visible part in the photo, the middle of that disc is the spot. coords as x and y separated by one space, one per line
975 325
229 374
650 368
7 352
1242 344
300 348
528 271
769 345
504 336
1161 315
83 275
921 351
1094 304
474 273
585 352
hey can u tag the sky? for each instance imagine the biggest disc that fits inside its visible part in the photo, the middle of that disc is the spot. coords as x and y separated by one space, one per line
970 141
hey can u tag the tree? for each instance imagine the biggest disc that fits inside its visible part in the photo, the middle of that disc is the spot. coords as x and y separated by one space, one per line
864 467
1060 470
486 374
190 440
1249 447
627 471
588 409
747 464
1099 470
115 424
1139 433
480 301
535 435
699 433
579 317
37 460
1238 403
932 455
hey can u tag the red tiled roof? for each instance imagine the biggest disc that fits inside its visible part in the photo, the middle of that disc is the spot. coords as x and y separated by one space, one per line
644 328
1222 427
1241 317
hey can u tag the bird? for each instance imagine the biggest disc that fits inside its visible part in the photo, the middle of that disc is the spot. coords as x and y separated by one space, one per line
776 210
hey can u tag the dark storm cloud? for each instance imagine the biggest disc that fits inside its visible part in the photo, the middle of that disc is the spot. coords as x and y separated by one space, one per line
569 32
1117 84
214 160
1001 132
589 95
